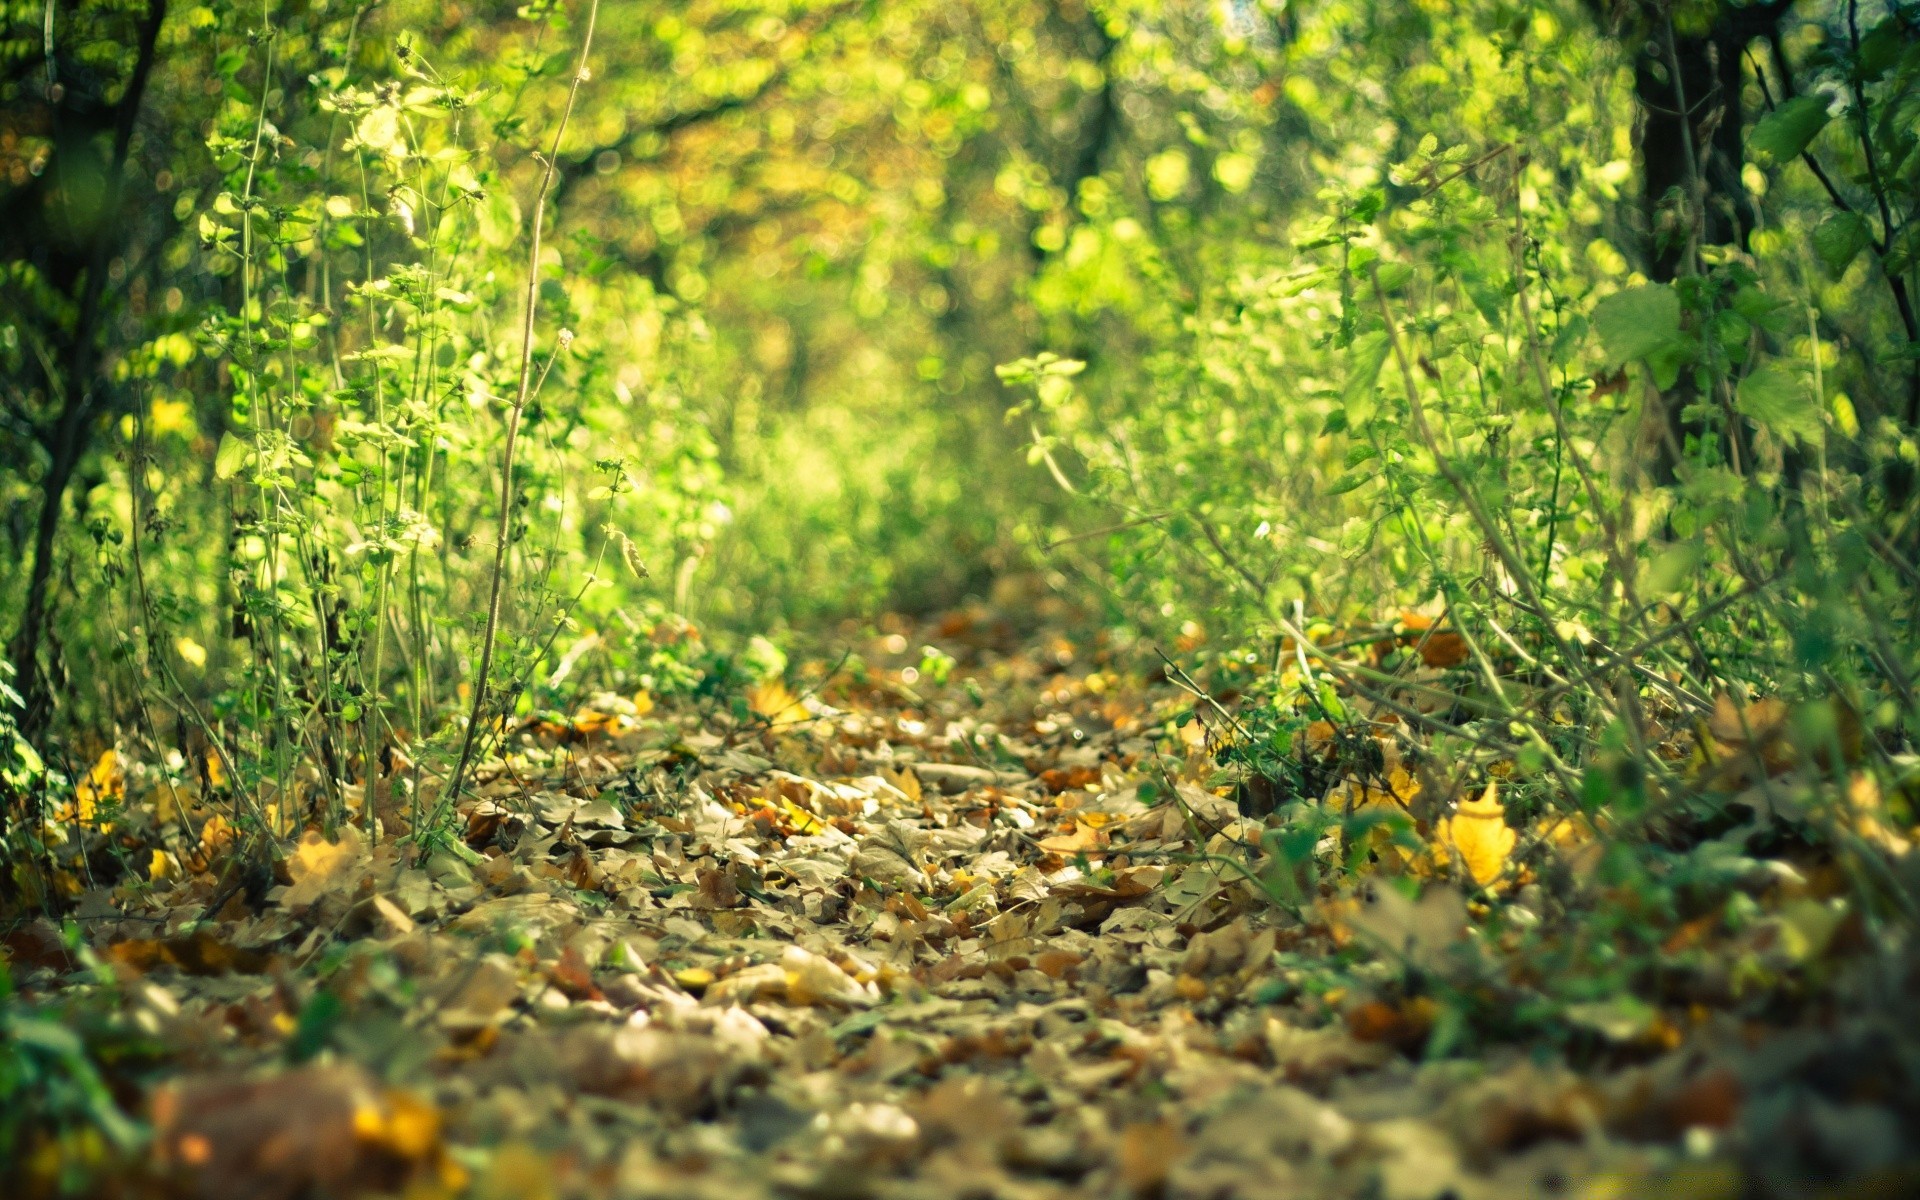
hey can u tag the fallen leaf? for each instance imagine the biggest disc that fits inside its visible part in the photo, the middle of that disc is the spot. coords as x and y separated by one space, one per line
1477 833
314 1131
776 704
318 866
102 787
1443 650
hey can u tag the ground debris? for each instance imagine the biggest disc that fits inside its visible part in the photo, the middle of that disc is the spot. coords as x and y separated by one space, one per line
1030 947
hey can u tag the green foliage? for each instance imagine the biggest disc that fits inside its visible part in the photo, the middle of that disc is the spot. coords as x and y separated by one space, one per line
1785 133
1311 314
1635 323
61 1125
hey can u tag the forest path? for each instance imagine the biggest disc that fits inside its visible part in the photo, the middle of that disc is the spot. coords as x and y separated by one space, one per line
898 939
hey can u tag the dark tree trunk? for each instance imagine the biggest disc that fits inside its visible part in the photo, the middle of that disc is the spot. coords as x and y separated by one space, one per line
1688 85
81 265
1691 122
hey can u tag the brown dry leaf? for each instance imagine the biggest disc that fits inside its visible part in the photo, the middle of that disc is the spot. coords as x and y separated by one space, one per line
1311 1055
477 994
1423 932
1443 650
1752 724
1083 838
1404 1026
1148 1152
1477 833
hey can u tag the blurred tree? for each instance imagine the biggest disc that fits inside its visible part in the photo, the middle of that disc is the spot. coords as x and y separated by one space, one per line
80 220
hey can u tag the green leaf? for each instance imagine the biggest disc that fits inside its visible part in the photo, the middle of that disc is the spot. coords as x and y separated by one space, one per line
1638 321
1763 310
1670 570
318 1020
1620 1018
1364 359
1788 130
1667 361
1778 398
1840 238
231 456
1351 481
1394 276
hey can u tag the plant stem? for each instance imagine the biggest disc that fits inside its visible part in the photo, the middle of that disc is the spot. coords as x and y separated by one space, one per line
504 529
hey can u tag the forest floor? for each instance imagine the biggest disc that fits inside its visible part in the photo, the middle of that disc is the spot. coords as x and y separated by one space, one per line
984 938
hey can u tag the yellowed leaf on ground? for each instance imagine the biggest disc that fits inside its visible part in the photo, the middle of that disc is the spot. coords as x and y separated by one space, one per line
1354 794
1478 835
1082 839
103 785
776 702
318 865
803 821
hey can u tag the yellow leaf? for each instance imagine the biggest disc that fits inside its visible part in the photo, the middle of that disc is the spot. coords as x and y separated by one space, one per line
103 785
318 866
773 701
403 1125
216 837
1478 835
190 651
171 416
804 822
1355 794
163 866
905 780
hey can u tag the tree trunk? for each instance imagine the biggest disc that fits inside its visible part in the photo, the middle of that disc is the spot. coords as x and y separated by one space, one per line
81 395
1688 86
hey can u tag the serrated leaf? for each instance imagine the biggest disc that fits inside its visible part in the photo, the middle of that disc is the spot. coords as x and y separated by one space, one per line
1840 238
1634 323
1788 130
1779 399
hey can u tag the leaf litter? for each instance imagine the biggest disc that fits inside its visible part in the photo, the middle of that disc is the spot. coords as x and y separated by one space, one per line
1011 936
